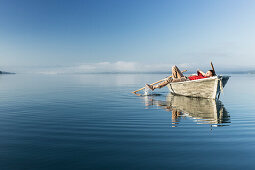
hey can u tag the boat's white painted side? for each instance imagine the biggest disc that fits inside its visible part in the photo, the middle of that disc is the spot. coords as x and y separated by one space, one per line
205 88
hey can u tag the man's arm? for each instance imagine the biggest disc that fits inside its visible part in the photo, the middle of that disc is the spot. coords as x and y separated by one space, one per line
201 72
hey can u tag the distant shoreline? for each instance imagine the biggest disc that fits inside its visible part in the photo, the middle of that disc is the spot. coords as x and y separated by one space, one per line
156 72
244 72
4 72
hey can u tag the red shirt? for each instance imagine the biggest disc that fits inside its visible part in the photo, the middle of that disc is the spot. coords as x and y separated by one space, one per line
199 76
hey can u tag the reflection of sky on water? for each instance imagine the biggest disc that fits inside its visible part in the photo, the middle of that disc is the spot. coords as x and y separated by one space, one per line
83 118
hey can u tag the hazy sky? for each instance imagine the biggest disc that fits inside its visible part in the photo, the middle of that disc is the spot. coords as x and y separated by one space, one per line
126 34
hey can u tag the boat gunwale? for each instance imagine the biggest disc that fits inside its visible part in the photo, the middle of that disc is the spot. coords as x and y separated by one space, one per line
198 80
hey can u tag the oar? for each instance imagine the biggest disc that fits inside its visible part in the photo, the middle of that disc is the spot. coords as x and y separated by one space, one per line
213 67
155 83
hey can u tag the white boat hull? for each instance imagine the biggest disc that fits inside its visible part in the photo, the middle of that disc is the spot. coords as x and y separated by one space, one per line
204 88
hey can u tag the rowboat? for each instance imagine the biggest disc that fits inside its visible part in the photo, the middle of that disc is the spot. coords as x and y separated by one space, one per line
204 88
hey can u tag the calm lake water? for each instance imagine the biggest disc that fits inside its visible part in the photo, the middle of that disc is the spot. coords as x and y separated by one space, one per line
92 121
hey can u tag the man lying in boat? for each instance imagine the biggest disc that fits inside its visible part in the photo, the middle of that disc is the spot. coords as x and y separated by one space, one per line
177 76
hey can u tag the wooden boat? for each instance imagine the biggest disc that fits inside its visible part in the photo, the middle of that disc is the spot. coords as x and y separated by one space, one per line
204 88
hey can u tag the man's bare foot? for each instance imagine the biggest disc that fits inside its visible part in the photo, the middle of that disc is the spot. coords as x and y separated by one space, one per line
150 87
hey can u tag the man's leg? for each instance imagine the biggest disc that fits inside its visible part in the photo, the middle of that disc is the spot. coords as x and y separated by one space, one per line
177 77
160 85
163 84
176 72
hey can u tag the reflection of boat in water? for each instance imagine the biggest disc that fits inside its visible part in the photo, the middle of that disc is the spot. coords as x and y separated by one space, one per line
204 111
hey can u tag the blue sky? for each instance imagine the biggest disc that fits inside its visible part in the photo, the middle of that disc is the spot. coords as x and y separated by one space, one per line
129 34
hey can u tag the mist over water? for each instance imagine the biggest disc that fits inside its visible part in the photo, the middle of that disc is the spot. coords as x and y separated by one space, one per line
93 121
